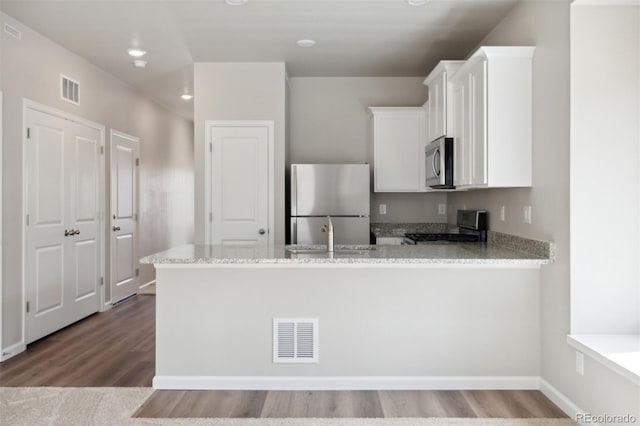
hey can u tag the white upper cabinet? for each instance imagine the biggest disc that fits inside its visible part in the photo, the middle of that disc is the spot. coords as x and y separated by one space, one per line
492 118
440 99
398 149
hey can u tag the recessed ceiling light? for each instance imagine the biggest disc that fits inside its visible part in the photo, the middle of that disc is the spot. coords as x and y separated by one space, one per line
139 63
306 43
416 2
136 53
187 97
235 2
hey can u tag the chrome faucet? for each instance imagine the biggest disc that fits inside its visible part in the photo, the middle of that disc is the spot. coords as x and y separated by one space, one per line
328 228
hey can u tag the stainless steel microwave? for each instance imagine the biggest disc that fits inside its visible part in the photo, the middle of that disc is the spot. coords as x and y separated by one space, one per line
439 163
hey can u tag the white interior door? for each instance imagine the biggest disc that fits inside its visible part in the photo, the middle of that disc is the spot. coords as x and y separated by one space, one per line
240 188
63 245
125 155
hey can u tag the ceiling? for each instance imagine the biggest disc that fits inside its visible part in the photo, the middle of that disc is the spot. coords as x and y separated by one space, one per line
354 37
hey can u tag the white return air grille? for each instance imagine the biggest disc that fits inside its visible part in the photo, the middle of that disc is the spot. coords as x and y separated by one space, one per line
70 90
295 340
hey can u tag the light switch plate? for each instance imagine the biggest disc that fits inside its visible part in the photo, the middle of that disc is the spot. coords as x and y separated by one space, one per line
580 363
442 209
383 209
527 215
503 213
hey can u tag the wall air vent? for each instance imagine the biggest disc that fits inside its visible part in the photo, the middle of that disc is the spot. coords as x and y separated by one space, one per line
12 31
295 340
70 90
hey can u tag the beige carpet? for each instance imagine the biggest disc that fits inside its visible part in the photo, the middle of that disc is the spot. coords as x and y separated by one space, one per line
114 406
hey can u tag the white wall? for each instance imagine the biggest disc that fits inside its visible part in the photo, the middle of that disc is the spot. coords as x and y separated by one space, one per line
240 91
605 106
330 123
31 69
545 24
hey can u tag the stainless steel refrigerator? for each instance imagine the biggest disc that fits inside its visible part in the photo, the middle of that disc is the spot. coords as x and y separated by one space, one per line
337 190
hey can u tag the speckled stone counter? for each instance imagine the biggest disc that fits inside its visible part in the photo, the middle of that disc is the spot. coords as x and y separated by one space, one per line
382 230
424 254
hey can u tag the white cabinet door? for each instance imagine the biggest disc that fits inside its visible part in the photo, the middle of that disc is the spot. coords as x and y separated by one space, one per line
461 138
63 235
478 82
398 149
439 112
437 116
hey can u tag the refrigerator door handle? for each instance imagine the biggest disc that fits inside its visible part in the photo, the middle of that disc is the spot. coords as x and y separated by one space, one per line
294 230
294 191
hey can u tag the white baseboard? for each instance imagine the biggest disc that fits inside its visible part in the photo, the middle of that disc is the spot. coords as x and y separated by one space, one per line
148 284
12 351
560 399
344 382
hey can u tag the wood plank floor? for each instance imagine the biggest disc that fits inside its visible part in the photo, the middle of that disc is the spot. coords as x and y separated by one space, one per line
117 348
358 404
113 348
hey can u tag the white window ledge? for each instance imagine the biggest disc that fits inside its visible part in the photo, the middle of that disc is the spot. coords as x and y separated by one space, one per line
619 352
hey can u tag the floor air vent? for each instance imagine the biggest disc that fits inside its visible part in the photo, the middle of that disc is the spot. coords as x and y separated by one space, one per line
295 340
70 90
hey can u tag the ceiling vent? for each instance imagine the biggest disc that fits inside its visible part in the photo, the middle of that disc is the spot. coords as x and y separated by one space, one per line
295 340
70 90
12 31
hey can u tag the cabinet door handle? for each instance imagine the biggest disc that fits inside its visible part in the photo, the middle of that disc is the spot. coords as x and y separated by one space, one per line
115 228
76 232
262 231
67 233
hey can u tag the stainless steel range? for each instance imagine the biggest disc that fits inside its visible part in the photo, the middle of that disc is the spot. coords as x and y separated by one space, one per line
472 226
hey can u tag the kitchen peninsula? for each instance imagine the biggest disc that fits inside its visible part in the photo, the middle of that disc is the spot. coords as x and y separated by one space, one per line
437 315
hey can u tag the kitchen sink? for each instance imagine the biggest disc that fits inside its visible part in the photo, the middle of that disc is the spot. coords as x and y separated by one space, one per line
320 251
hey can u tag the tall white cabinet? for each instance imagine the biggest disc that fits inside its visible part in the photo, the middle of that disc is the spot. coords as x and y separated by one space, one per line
492 118
399 136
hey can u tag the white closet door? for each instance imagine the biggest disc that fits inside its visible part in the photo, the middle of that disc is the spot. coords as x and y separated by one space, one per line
84 219
125 154
240 188
63 252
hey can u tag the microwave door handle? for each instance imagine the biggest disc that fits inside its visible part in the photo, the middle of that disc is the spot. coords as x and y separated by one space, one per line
436 153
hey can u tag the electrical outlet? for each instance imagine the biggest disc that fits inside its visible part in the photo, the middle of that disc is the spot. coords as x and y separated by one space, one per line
527 215
442 209
503 213
383 209
580 363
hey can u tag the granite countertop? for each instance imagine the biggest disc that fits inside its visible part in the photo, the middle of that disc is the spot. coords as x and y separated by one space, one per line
383 230
436 253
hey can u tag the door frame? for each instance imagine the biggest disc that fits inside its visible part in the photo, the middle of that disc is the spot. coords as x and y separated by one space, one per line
208 171
136 243
27 105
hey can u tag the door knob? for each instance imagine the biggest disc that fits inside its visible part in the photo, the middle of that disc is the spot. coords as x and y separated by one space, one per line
115 228
75 232
262 231
67 233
